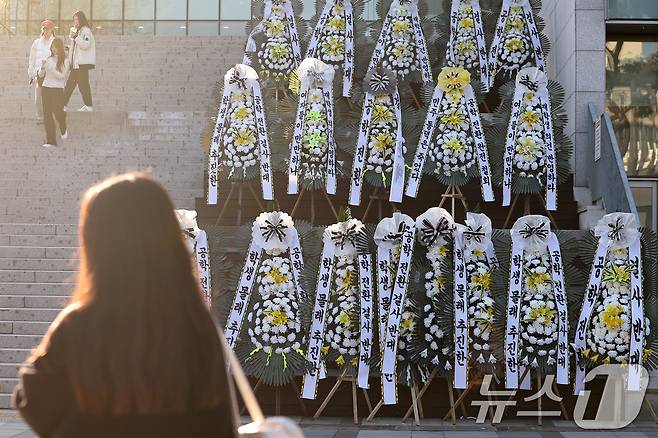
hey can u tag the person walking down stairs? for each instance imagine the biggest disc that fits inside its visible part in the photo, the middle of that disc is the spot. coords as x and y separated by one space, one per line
82 55
54 71
39 51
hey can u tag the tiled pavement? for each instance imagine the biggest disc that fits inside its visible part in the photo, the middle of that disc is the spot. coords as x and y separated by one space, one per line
12 427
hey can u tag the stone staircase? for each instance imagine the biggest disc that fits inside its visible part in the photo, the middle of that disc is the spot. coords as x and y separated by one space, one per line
151 95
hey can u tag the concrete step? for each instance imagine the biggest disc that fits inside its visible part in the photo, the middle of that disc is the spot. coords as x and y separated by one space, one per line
14 355
20 341
39 264
37 229
34 252
24 327
40 315
45 240
28 276
33 302
9 370
6 401
7 385
38 289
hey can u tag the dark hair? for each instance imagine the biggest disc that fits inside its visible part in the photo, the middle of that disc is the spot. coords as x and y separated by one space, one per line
57 50
145 342
82 19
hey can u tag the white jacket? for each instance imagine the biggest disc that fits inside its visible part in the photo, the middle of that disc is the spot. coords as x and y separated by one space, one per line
82 49
54 78
39 51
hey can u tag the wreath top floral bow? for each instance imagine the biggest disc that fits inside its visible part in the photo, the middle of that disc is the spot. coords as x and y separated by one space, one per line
345 236
435 223
531 232
273 231
619 229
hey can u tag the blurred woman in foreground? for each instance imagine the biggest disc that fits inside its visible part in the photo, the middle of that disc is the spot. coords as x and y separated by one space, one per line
136 353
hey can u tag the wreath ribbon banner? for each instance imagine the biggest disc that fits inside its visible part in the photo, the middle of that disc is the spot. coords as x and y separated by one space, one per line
291 27
392 287
270 230
479 34
421 45
614 231
311 51
533 233
309 70
500 30
240 78
531 79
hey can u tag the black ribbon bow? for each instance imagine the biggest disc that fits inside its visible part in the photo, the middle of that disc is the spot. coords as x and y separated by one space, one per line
396 235
317 78
530 84
528 231
189 232
379 82
270 230
616 230
475 235
342 238
429 232
238 80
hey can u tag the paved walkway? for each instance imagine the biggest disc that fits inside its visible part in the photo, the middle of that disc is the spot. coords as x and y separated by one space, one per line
11 426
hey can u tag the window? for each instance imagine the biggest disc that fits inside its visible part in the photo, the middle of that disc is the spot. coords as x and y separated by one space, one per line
170 28
631 91
203 9
170 9
68 7
139 10
632 10
236 9
203 28
107 9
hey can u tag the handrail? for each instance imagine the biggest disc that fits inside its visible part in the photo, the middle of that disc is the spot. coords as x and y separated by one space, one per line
608 181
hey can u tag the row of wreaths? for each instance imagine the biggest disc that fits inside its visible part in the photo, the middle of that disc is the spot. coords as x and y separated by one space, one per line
310 136
408 297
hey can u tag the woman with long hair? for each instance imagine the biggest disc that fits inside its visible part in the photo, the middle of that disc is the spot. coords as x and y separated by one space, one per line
39 51
135 353
54 71
82 54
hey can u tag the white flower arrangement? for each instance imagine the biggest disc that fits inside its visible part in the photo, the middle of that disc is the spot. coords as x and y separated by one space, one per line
515 46
538 317
400 49
331 43
273 231
275 275
274 324
480 303
382 136
465 46
276 55
241 137
342 334
452 150
315 142
609 335
529 146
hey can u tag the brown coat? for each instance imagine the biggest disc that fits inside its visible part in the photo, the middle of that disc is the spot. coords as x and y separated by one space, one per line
45 399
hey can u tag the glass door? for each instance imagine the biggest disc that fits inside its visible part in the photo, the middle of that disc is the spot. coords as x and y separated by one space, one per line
645 193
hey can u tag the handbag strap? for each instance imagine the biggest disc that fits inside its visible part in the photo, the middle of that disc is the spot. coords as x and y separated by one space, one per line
235 369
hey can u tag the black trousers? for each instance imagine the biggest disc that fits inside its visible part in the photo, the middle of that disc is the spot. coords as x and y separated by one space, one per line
79 77
52 100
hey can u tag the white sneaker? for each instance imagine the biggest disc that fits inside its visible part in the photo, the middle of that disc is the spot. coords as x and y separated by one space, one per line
65 135
48 145
86 109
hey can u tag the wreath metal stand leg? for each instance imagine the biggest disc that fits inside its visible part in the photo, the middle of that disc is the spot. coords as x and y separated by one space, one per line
339 380
540 419
381 403
228 197
556 390
421 393
460 399
649 407
373 197
239 185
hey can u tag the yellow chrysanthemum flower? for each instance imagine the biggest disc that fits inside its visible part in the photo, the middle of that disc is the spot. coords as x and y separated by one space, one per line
530 117
325 349
618 274
276 276
478 253
347 281
340 360
334 46
401 26
528 147
514 45
344 319
381 114
454 79
407 324
354 361
442 250
336 23
514 23
536 280
384 140
278 317
610 317
466 23
453 118
484 280
528 96
542 314
275 27
455 145
279 51
464 46
440 281
241 113
400 50
245 137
